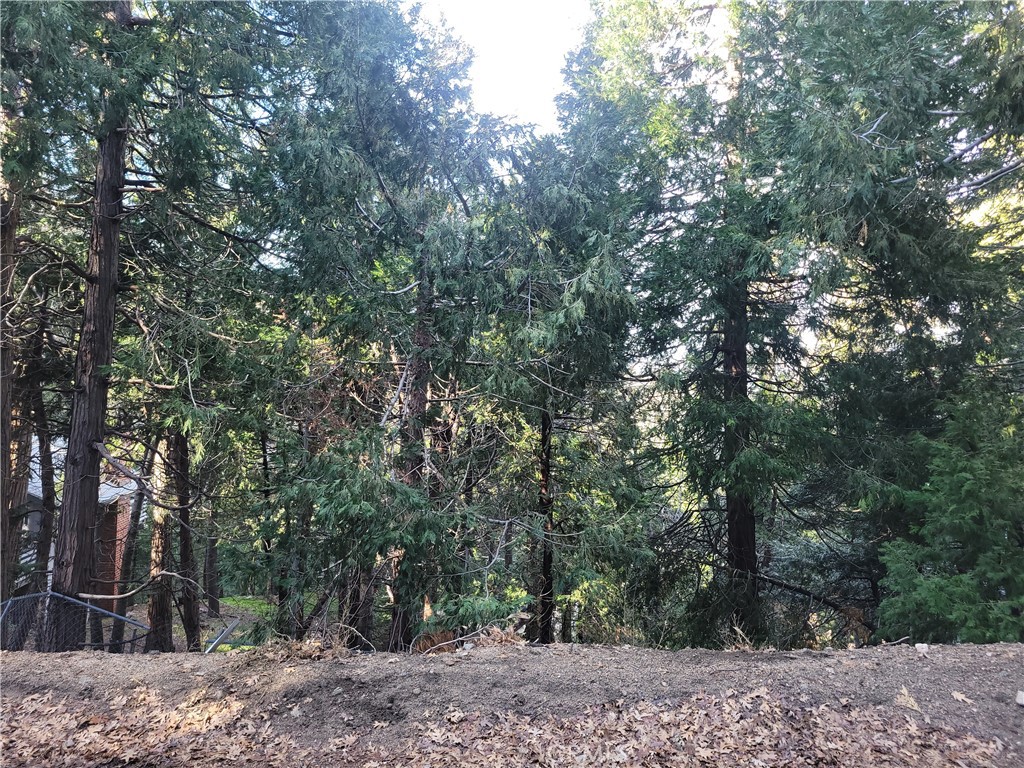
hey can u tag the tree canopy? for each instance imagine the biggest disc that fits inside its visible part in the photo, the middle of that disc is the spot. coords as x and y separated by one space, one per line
733 357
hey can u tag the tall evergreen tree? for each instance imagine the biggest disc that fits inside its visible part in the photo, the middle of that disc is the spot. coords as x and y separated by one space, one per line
788 214
75 546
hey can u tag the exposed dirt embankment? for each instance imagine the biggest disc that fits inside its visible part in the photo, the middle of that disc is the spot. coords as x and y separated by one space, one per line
516 705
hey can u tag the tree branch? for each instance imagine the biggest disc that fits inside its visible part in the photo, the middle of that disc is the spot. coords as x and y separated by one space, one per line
135 591
814 596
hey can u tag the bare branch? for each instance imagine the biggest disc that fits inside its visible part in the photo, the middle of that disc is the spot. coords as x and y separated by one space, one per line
135 591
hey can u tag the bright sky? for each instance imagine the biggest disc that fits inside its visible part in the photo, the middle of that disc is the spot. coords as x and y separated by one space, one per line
520 48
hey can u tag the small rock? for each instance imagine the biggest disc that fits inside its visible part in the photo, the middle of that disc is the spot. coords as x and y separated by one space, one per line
921 648
1020 698
337 692
416 691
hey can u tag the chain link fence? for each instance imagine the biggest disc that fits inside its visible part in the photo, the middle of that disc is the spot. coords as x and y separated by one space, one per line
23 621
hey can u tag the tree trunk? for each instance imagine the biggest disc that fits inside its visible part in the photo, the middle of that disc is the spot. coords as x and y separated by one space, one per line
361 592
297 572
741 553
281 562
20 409
49 493
131 542
468 485
211 573
96 640
89 401
441 437
16 639
544 609
568 618
160 637
292 581
17 494
407 601
8 230
402 610
178 457
277 572
277 556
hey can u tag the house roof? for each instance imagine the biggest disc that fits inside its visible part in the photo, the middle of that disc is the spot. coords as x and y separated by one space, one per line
110 490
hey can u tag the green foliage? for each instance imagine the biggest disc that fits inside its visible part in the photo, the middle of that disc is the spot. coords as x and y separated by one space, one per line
960 575
474 611
813 193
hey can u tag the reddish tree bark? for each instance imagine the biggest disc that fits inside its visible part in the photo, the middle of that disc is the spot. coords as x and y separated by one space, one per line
178 458
160 637
74 559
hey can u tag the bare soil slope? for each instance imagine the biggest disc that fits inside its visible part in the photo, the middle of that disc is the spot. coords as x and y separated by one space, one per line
516 705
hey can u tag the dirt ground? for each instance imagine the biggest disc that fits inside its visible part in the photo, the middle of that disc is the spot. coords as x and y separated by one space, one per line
512 704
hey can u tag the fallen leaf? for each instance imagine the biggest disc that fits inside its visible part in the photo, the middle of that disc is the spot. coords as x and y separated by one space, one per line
904 699
960 697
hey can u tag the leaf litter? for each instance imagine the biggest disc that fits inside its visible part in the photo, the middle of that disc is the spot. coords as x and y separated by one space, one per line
515 706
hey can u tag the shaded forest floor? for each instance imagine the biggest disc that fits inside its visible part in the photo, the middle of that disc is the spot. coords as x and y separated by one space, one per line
511 704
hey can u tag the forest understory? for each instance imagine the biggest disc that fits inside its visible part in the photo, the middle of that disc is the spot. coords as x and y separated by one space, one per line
515 704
